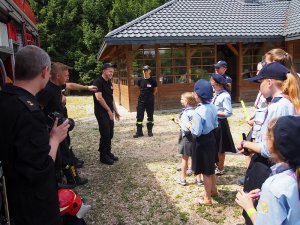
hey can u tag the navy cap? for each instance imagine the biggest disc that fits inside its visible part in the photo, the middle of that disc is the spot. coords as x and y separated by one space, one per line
108 65
146 67
272 70
219 78
221 64
203 89
286 137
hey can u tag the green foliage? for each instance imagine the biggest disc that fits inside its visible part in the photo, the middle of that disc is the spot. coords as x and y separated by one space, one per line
71 31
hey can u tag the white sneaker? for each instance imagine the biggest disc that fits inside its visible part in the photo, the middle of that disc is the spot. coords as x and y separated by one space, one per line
181 181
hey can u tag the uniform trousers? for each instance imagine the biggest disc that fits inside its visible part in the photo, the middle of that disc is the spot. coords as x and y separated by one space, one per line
143 105
106 129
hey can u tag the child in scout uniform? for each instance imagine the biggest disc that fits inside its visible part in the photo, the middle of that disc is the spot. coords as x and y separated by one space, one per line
222 101
186 138
204 143
279 200
277 83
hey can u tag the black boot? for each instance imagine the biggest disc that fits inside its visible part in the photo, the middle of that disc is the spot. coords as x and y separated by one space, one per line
77 162
72 176
139 131
149 128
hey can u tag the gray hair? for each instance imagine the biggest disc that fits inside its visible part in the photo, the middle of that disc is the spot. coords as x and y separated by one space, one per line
30 61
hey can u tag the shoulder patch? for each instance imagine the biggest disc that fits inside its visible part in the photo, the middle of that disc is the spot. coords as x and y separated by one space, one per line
29 104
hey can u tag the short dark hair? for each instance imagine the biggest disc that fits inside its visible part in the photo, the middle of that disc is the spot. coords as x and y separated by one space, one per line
57 67
30 62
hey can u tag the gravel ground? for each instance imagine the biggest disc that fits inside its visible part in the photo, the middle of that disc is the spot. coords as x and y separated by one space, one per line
141 187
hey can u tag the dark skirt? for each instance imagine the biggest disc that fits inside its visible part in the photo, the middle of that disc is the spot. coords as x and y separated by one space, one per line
223 137
186 146
203 154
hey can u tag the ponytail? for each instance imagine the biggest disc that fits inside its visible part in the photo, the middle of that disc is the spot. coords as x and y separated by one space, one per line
298 179
291 88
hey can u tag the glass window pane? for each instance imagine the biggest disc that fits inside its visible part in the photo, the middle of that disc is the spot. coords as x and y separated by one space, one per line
179 53
166 62
180 62
165 53
195 61
179 70
207 52
166 71
166 79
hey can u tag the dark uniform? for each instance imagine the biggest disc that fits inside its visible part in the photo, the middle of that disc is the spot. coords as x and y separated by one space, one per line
145 102
106 125
51 99
29 170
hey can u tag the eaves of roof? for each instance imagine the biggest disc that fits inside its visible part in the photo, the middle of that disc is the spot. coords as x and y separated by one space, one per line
190 40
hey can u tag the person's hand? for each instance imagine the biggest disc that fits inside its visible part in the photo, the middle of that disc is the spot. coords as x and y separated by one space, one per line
250 122
244 200
254 194
92 88
117 116
110 114
240 149
59 133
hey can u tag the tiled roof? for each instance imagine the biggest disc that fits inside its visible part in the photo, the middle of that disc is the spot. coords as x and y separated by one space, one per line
195 21
293 21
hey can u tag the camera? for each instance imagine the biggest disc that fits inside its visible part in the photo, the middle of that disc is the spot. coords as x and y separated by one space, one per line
51 119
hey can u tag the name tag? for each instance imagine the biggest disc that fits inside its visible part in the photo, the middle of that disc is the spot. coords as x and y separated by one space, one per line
149 85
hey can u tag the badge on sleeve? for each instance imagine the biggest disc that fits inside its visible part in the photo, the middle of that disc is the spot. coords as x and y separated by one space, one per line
263 207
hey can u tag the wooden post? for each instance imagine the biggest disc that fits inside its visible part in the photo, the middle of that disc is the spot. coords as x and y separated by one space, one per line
188 63
240 71
158 73
128 53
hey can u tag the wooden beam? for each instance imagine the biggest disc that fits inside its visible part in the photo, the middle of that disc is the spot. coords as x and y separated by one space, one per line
188 63
232 48
240 71
158 74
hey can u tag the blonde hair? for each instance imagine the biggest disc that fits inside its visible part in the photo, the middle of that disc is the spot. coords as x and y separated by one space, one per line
270 137
283 57
291 86
189 96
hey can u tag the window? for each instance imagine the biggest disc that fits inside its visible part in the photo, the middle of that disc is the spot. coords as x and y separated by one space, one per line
144 55
173 64
252 55
202 60
296 57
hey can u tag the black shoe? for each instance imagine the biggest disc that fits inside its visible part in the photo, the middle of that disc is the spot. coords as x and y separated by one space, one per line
113 157
137 135
150 134
106 160
81 180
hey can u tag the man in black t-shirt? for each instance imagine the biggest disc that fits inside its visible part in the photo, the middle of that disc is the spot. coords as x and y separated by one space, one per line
148 89
105 111
51 100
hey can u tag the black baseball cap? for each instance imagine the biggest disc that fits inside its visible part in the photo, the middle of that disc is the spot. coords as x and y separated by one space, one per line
219 78
286 138
221 63
203 89
272 70
146 67
108 65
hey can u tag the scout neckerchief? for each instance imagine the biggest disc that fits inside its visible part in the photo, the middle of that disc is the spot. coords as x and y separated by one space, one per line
217 94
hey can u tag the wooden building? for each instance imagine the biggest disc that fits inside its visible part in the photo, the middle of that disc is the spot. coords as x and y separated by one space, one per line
182 39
